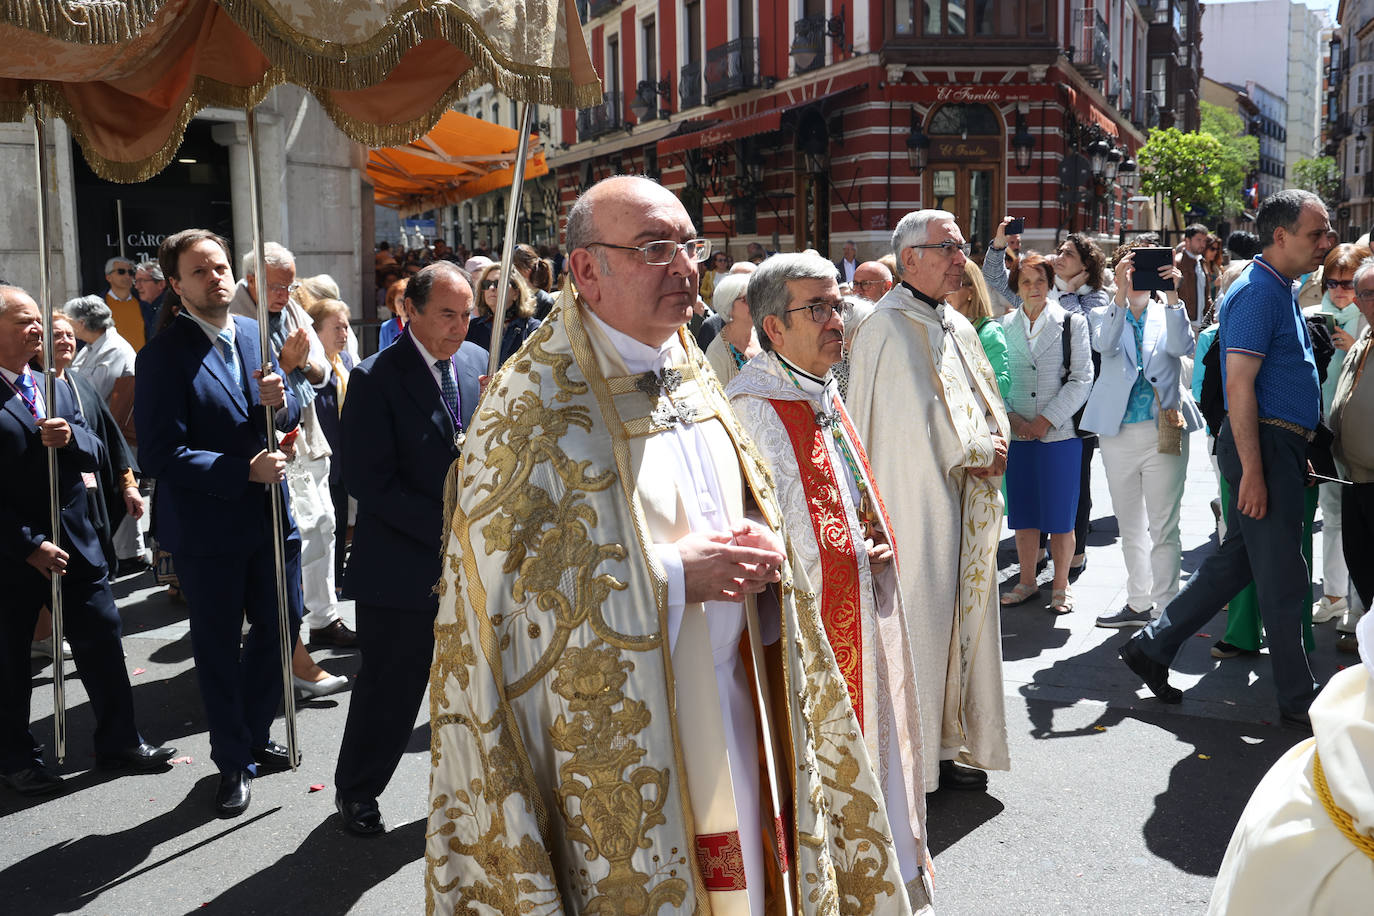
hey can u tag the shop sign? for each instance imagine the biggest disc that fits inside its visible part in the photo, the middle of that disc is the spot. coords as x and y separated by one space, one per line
942 148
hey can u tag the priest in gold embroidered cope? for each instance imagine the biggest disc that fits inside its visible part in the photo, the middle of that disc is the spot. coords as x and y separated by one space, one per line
925 403
634 707
837 524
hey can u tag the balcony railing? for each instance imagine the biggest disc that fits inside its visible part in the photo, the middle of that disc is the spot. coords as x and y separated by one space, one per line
602 7
732 67
689 87
808 45
1092 53
600 119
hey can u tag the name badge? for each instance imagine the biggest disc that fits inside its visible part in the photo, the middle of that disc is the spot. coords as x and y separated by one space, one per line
89 480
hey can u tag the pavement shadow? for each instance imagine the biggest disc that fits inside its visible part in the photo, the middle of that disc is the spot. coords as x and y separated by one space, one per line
953 814
71 875
328 873
1030 629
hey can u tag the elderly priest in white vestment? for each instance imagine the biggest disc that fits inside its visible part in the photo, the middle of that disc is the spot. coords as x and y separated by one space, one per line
1305 842
787 401
925 402
634 708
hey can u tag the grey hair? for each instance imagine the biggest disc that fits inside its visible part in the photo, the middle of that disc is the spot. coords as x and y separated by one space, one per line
152 269
110 264
768 294
914 229
1365 269
728 288
276 256
321 286
7 291
1230 275
90 311
1282 209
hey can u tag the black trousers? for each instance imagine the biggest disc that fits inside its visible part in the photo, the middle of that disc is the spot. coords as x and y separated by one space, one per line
397 646
338 495
1357 537
1085 497
92 626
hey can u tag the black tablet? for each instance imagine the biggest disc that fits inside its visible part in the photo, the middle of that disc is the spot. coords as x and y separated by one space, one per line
1147 262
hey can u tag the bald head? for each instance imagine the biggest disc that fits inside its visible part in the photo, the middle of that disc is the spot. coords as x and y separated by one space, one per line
606 227
872 279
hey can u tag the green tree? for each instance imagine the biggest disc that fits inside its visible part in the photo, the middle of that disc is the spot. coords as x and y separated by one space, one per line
1321 176
1241 153
1190 171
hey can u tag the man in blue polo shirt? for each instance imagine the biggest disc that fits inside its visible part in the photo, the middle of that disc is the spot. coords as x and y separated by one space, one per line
1273 401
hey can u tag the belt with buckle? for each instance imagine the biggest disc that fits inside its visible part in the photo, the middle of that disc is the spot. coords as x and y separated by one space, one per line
1303 431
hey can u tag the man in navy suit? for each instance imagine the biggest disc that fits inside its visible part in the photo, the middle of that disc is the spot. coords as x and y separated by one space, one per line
403 425
29 559
198 399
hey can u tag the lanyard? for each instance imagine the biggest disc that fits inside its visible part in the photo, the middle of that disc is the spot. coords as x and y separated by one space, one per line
31 405
459 436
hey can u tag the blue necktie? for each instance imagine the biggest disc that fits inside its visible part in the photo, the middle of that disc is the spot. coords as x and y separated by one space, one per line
231 358
30 393
448 388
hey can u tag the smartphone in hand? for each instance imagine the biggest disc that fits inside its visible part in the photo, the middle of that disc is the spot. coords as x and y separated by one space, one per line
1016 227
1146 263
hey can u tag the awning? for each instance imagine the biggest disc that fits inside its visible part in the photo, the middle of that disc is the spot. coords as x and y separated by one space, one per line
461 158
718 130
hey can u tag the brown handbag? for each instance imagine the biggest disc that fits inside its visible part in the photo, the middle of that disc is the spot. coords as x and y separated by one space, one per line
121 406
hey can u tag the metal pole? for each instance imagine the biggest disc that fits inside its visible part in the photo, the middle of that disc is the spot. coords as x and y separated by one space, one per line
498 321
59 687
119 218
287 637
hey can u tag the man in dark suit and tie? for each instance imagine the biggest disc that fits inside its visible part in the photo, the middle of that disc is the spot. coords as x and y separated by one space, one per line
29 559
199 392
404 422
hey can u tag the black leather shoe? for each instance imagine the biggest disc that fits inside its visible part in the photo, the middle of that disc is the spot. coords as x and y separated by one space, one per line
234 793
37 780
141 757
360 818
335 636
1155 675
272 757
954 776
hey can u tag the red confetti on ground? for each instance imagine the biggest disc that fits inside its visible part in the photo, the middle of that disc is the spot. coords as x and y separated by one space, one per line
1203 635
182 760
138 671
317 787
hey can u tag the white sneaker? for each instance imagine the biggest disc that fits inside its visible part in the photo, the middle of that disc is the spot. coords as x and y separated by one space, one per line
1327 609
42 648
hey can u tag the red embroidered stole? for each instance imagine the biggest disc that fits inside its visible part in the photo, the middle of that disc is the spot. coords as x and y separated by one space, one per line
861 457
839 585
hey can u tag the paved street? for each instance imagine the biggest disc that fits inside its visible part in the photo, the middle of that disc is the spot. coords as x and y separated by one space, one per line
1115 804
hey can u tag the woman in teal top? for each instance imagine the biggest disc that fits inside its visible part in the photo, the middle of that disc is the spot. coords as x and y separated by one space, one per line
972 301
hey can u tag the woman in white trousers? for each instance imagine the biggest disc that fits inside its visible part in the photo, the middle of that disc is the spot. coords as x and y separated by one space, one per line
1142 338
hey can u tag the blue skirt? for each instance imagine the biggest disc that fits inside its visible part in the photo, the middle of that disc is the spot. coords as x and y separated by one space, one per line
1042 484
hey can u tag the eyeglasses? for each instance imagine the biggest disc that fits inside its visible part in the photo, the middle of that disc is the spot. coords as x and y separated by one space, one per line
1343 284
122 271
820 312
948 247
288 288
867 283
1366 296
657 254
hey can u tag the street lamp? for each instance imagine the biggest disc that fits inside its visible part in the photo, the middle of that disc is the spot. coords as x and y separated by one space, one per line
1097 154
1022 144
1114 157
808 44
645 104
1127 173
917 145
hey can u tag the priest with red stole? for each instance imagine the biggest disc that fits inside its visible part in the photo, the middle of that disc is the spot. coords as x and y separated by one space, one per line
790 406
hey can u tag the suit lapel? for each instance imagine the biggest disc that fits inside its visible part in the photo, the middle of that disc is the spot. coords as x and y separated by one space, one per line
1050 334
210 358
15 405
469 391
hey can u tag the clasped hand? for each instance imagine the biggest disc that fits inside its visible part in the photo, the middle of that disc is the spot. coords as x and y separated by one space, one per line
729 565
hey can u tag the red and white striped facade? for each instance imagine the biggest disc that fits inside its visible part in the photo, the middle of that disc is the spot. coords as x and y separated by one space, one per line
1069 64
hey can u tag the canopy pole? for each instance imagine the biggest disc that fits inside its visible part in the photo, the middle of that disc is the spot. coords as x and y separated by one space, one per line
498 321
59 686
287 638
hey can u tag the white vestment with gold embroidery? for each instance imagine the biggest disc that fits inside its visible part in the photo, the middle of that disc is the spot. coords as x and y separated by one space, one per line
925 403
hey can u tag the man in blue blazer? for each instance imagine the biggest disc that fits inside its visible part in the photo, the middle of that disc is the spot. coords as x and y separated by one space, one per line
199 391
403 425
29 559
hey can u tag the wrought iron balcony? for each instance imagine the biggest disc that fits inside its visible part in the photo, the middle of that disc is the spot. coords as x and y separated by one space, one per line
600 119
1092 54
602 7
808 45
732 67
689 87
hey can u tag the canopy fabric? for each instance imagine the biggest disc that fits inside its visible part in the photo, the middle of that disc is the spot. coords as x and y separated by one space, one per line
128 75
460 158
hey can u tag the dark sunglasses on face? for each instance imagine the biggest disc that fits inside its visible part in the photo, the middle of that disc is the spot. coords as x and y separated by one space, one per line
491 284
1343 284
122 271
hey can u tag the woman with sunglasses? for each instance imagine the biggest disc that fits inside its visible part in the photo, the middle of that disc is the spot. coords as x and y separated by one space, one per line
520 308
1346 325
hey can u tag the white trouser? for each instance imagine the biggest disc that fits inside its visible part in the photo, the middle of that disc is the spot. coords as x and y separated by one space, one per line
1147 490
308 481
129 541
1335 576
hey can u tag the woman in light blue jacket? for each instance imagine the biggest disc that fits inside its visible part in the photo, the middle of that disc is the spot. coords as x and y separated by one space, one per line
1143 338
1043 458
